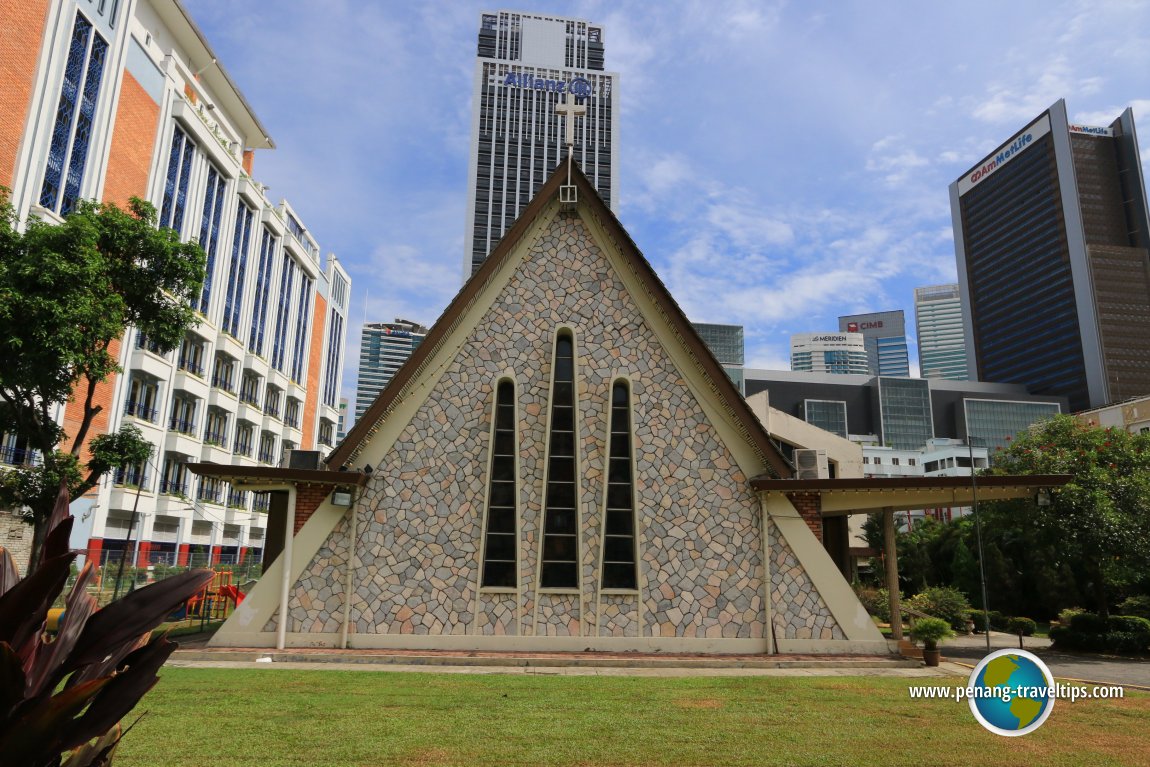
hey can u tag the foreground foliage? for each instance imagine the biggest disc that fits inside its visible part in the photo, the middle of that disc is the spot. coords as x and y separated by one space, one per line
69 693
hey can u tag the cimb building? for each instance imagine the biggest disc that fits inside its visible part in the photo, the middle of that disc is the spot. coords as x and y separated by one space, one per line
884 334
1051 234
383 348
109 100
527 64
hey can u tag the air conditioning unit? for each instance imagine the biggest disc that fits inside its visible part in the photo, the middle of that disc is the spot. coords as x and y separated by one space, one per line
811 464
300 459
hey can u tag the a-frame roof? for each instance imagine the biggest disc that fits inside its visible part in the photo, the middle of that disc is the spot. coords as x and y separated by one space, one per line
589 203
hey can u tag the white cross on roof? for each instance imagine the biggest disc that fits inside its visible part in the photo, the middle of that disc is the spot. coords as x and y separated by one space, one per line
570 112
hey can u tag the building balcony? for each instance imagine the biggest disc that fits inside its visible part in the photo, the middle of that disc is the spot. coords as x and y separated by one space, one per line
18 456
172 487
210 495
141 411
192 384
150 363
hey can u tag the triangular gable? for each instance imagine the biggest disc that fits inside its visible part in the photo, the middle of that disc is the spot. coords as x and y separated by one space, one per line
592 207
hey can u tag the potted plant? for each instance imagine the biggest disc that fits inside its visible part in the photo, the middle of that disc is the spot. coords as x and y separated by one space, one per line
931 631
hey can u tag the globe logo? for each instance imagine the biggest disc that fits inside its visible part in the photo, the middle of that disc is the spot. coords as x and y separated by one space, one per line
1011 692
580 87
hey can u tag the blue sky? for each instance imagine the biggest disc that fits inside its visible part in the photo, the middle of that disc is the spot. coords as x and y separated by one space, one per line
781 163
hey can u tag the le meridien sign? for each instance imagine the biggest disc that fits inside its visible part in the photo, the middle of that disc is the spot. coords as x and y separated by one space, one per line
579 87
1017 144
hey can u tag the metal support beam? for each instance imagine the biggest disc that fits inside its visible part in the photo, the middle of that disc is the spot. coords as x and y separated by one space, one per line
890 556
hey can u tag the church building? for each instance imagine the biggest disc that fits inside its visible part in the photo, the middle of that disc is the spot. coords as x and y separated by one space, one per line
560 465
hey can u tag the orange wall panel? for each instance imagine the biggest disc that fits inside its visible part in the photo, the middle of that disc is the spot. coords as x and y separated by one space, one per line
133 141
74 410
314 372
21 35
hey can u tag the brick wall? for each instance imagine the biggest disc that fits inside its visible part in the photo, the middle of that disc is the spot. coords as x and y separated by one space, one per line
74 411
308 498
809 506
314 372
21 34
133 140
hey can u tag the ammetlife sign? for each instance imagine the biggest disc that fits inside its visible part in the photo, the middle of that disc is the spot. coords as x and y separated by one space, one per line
1091 130
1015 146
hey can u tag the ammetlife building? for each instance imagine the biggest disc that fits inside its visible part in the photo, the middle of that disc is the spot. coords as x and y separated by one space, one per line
526 65
1052 234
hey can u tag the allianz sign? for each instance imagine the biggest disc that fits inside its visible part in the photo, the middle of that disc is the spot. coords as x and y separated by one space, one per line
579 87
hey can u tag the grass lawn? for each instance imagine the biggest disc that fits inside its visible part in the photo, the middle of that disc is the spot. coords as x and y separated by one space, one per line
271 717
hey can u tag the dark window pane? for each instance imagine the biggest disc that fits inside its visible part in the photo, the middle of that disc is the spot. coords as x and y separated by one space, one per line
501 547
560 495
618 549
619 576
560 521
504 443
620 470
559 548
502 493
620 445
620 523
499 574
562 443
503 471
505 417
562 418
561 469
619 395
564 393
619 496
501 520
558 575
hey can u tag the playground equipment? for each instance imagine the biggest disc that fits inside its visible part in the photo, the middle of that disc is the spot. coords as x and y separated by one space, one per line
215 602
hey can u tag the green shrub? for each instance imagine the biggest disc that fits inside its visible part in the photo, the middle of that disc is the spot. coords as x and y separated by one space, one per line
876 601
931 631
944 602
1066 615
1092 633
1024 626
1136 605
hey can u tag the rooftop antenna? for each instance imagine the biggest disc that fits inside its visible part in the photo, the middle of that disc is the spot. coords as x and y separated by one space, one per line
568 193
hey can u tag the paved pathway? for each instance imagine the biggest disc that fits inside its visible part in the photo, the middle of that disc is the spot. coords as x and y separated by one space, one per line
1106 669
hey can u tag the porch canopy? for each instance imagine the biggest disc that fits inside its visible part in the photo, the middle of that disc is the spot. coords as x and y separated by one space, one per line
871 495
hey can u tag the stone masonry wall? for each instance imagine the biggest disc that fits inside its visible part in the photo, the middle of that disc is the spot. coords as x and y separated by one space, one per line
799 609
421 515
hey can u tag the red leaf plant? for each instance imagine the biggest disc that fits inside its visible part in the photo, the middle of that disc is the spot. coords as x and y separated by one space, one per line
62 698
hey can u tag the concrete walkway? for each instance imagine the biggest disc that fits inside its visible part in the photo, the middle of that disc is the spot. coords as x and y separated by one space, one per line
966 651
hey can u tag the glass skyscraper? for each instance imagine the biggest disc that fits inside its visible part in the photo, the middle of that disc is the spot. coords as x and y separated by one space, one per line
726 343
526 65
383 348
1051 233
941 341
884 334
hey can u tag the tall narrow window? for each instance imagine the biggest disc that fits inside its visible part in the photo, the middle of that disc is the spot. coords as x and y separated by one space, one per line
500 542
303 314
283 313
619 527
559 568
176 184
75 117
234 299
263 290
210 231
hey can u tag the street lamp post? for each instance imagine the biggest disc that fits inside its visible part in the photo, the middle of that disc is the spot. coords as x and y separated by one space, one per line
978 537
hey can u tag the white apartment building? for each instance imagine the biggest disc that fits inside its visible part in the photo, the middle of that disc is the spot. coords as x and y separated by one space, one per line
123 98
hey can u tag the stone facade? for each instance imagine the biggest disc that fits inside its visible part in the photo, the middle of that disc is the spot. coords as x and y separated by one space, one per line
801 612
421 517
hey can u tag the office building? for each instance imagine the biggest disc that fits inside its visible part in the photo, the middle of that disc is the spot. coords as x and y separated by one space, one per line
383 348
884 334
1051 234
941 341
726 343
905 413
526 65
836 353
111 100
